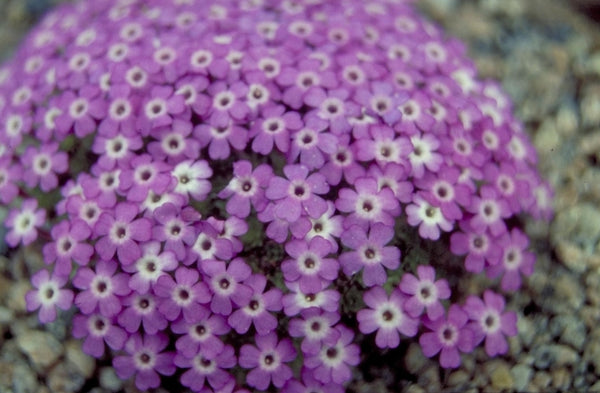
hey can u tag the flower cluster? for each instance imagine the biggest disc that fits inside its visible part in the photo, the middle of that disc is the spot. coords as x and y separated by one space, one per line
216 180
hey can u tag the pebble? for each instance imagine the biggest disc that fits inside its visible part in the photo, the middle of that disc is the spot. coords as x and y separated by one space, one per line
430 377
41 348
570 330
458 378
414 388
526 329
522 376
84 364
16 296
414 359
561 379
25 379
64 378
109 379
554 355
6 316
500 375
541 381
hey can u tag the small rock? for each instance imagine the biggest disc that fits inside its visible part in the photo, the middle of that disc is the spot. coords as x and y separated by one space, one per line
595 387
6 316
569 329
526 329
541 381
430 377
521 376
561 379
414 388
109 379
25 379
569 290
500 375
83 363
16 296
554 355
41 348
414 359
458 378
65 379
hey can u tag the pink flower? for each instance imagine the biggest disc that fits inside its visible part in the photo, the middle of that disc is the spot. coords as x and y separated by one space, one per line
47 295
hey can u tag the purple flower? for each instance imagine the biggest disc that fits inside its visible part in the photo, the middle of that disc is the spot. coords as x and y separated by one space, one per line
490 322
200 334
153 264
219 138
69 245
515 260
184 295
100 290
192 179
425 292
386 316
159 109
145 359
370 253
246 188
489 212
298 193
145 174
122 233
41 166
207 368
308 265
274 130
9 174
332 363
448 336
23 223
367 204
225 282
481 248
81 111
297 300
175 232
312 144
47 295
267 361
429 218
334 107
258 309
174 143
384 146
141 310
316 327
98 329
227 103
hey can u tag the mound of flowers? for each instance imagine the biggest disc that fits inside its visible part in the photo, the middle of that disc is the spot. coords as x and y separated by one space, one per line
243 194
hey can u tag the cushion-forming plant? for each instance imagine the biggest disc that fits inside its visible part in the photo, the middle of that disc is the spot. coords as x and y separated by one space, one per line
243 194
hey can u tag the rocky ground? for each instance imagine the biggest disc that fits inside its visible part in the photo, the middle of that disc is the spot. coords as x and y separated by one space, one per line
548 59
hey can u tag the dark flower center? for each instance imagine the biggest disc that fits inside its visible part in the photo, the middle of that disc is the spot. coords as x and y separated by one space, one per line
369 253
151 267
145 358
99 325
101 286
224 283
144 303
206 245
387 315
253 304
430 211
318 227
309 263
331 352
425 292
246 186
66 246
269 359
49 293
489 321
315 326
448 334
184 294
299 191
200 330
367 206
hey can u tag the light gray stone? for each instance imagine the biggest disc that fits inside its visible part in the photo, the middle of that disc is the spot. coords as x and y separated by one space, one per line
522 376
109 379
554 355
79 361
41 348
64 378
